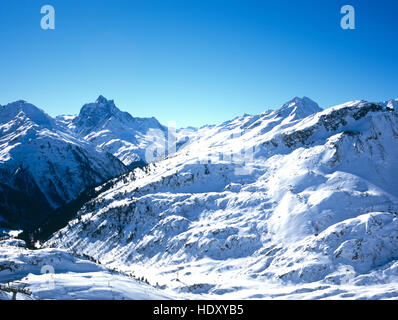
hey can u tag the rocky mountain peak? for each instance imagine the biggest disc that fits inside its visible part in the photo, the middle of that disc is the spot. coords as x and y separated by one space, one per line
299 108
38 116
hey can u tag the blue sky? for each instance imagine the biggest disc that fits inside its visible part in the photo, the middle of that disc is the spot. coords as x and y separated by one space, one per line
196 61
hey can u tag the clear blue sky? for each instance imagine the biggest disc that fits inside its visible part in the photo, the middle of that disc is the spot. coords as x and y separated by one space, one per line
196 61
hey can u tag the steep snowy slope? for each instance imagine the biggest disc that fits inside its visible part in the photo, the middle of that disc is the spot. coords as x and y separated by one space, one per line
290 196
42 166
104 125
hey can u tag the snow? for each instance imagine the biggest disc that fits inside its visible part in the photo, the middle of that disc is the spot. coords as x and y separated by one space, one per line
283 204
56 274
294 203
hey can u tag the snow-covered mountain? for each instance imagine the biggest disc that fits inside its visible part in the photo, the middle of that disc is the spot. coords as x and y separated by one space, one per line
126 137
297 202
296 196
43 166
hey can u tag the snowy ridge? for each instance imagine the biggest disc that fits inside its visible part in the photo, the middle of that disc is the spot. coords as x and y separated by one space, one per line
292 196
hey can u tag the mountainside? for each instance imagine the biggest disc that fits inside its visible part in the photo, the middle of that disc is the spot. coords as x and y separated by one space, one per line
293 196
126 137
42 166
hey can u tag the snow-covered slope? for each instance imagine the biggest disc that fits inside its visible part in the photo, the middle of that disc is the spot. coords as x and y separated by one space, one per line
292 196
126 137
42 166
56 274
